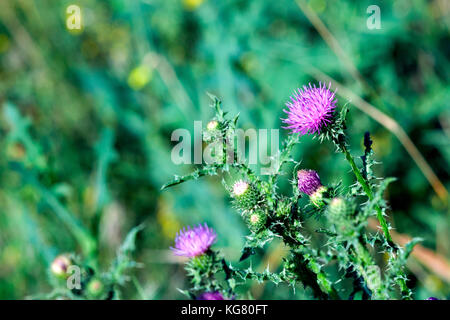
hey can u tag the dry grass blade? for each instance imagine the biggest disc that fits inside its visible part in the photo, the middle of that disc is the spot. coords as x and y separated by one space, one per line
392 126
331 41
366 107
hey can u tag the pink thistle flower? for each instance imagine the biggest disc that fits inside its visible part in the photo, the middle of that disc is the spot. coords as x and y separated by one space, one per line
308 181
211 296
193 242
310 109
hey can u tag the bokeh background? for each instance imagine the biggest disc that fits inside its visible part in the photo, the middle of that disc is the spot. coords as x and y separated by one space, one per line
86 118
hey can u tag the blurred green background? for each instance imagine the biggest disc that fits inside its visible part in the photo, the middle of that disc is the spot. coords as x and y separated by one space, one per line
86 118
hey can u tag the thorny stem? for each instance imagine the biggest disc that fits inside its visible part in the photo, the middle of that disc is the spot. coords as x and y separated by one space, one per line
306 272
317 279
401 282
306 265
364 261
368 192
404 289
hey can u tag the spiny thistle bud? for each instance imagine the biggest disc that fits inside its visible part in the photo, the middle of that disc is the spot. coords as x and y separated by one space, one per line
256 220
60 266
283 208
309 183
213 124
337 207
337 210
201 263
193 242
212 131
95 288
240 188
318 196
245 195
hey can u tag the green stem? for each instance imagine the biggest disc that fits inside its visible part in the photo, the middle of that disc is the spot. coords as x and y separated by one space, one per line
368 192
139 288
404 289
364 261
309 271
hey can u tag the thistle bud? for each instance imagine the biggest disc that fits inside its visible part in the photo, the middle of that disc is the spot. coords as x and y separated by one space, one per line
318 196
256 220
338 207
240 188
95 288
201 263
309 183
60 266
245 195
283 208
212 131
213 124
337 210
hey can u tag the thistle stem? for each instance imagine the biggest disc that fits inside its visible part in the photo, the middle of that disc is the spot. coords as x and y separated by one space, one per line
368 192
308 270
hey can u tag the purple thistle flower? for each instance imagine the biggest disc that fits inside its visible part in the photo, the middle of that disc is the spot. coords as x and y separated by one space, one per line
311 109
432 298
194 242
308 181
211 296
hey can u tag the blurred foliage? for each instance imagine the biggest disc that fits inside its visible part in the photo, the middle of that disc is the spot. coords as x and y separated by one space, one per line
86 119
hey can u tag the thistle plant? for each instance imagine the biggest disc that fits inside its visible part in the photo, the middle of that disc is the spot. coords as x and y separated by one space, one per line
343 213
75 277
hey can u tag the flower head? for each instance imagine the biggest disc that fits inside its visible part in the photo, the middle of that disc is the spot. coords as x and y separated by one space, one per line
95 288
193 242
213 124
212 132
60 266
308 181
240 187
337 208
246 196
338 211
256 220
210 296
310 109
